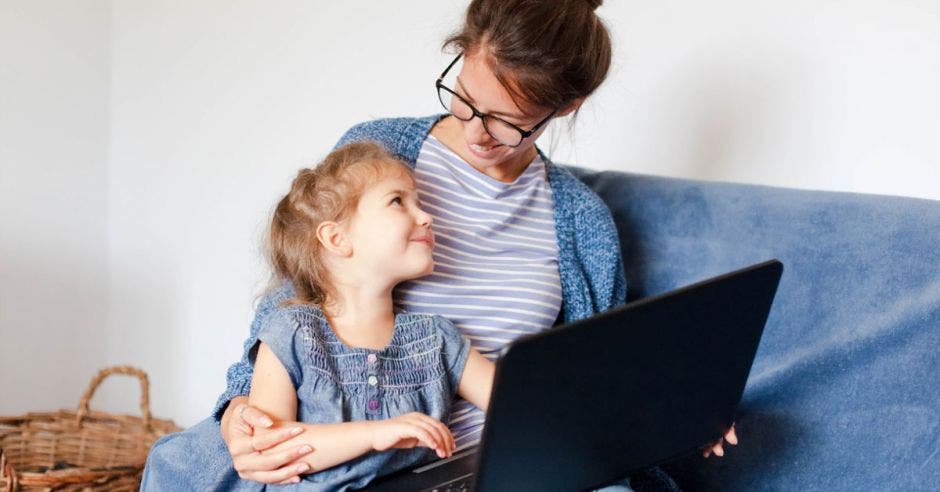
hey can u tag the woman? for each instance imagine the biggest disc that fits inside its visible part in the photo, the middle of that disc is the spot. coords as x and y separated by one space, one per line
521 243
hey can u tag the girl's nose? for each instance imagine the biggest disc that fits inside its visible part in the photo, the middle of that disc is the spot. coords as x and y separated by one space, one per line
423 218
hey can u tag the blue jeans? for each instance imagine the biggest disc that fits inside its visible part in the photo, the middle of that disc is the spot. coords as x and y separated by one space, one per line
195 459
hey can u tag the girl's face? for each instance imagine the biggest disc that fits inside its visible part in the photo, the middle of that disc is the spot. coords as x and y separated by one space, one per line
389 232
477 83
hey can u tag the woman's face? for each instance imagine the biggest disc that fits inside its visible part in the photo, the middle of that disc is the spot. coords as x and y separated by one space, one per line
478 85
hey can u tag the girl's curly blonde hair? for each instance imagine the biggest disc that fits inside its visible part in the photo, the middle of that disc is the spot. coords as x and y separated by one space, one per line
328 192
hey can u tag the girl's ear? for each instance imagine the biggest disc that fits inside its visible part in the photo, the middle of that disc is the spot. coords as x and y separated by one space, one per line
333 238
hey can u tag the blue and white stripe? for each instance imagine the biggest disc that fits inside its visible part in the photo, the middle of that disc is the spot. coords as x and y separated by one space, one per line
496 259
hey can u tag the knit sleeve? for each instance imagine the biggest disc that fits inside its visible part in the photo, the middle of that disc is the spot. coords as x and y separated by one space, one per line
598 247
402 137
385 132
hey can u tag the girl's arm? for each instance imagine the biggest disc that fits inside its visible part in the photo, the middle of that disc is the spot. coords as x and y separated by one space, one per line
476 383
239 375
273 392
336 443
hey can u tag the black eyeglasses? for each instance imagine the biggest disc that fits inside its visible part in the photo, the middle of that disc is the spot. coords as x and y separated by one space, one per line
501 130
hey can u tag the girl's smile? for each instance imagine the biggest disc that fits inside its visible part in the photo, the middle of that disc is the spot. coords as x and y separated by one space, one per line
427 239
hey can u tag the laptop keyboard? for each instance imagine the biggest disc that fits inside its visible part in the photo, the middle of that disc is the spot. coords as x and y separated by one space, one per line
459 484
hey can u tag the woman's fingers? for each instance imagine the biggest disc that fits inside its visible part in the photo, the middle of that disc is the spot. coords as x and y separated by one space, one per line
274 461
253 417
718 449
272 467
239 441
242 428
731 437
277 476
246 446
267 440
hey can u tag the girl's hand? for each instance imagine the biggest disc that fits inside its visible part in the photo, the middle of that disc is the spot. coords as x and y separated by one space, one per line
239 425
717 448
412 430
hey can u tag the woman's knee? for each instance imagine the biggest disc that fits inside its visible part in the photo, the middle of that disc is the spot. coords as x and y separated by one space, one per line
192 459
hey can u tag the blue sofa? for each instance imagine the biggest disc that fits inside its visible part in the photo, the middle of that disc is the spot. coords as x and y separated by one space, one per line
845 391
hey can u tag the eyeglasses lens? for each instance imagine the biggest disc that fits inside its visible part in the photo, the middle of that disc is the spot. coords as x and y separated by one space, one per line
497 129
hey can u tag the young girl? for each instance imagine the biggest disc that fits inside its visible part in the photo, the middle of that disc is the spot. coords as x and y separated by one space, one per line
338 355
346 233
373 383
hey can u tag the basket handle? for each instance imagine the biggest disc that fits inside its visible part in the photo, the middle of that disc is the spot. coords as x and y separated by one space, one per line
102 374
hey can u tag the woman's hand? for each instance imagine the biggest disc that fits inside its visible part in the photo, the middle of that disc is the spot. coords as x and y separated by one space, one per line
717 448
412 430
248 432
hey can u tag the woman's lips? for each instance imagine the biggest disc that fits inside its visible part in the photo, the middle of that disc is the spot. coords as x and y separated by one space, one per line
483 151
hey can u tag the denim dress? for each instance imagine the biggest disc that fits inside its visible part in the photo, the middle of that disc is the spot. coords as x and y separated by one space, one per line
418 371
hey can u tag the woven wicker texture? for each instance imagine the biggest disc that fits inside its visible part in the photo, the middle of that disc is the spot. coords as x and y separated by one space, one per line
82 449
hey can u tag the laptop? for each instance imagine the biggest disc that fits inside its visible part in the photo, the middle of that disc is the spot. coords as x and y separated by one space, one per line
585 404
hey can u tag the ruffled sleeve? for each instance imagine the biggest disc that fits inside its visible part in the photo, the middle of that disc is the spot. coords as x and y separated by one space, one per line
280 332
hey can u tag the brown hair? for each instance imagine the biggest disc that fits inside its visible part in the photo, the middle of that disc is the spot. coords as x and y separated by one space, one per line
328 192
548 52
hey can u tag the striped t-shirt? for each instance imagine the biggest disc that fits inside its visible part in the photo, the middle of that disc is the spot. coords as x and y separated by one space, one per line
495 259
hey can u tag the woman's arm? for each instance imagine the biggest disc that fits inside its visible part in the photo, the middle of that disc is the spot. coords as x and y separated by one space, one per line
476 383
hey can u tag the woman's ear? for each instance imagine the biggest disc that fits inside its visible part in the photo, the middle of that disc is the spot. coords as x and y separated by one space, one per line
333 238
570 108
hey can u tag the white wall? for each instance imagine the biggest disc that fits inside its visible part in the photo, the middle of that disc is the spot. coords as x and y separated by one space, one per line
214 109
803 93
214 105
53 200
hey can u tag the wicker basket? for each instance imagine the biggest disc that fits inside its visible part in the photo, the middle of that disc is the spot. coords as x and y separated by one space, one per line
80 450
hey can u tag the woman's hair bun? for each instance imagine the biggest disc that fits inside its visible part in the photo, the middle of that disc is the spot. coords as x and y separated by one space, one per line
545 52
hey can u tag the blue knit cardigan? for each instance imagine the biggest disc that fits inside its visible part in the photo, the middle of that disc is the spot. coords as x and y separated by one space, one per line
589 259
